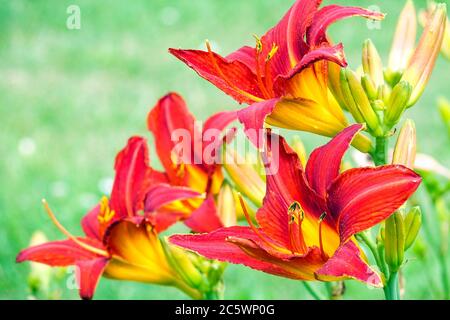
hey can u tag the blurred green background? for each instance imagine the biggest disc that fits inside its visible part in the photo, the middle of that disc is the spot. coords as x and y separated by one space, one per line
69 99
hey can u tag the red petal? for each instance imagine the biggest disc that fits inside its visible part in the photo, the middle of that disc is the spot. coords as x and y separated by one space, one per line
246 55
232 77
330 14
162 194
285 184
289 35
168 116
347 263
205 218
361 198
88 274
253 117
90 224
59 253
132 178
223 245
219 121
325 162
333 54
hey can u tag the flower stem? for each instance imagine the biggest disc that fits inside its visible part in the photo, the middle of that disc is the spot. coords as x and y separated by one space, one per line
379 155
316 295
393 291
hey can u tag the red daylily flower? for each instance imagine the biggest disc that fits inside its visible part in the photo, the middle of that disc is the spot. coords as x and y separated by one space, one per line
284 79
309 216
187 154
119 242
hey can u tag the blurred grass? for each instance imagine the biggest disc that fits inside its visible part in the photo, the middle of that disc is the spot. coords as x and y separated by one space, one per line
69 99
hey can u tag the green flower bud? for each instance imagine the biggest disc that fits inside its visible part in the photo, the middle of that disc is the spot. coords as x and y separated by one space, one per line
397 103
413 222
358 103
394 241
372 64
369 87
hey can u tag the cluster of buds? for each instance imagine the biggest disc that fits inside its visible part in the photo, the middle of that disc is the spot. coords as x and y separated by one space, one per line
378 96
402 228
200 274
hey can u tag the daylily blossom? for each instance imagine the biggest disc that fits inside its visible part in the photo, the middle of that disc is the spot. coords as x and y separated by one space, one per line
284 78
189 156
119 242
310 215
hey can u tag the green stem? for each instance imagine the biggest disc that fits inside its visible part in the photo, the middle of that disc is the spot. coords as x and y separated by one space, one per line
217 293
393 291
372 247
444 276
379 155
312 291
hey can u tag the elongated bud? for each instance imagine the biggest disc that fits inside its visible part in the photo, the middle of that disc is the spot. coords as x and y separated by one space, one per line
358 103
424 17
181 261
444 109
405 148
404 39
372 64
334 83
244 176
413 222
397 104
384 94
421 64
299 148
226 206
369 87
394 244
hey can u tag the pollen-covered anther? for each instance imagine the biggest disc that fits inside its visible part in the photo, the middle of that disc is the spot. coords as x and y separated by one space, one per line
105 213
296 216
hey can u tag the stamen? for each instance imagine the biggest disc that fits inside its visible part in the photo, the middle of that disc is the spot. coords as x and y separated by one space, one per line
321 218
252 226
105 213
224 77
297 215
261 86
69 235
268 70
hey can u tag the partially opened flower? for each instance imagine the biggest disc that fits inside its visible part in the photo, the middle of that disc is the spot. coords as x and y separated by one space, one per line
309 216
284 78
119 241
190 157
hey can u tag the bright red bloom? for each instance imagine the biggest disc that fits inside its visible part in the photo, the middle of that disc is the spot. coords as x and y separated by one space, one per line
188 155
119 241
285 77
309 216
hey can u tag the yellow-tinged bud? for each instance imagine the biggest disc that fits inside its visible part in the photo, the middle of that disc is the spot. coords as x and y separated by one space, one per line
444 109
392 77
226 206
334 83
404 39
413 222
369 87
182 262
384 94
244 176
394 244
421 64
372 64
40 274
358 102
405 148
397 103
423 19
299 148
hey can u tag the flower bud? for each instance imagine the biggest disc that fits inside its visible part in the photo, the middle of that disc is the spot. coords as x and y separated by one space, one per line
226 206
358 103
334 83
394 244
404 39
244 176
372 64
397 103
424 16
40 274
405 148
369 87
413 222
444 109
421 64
181 261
